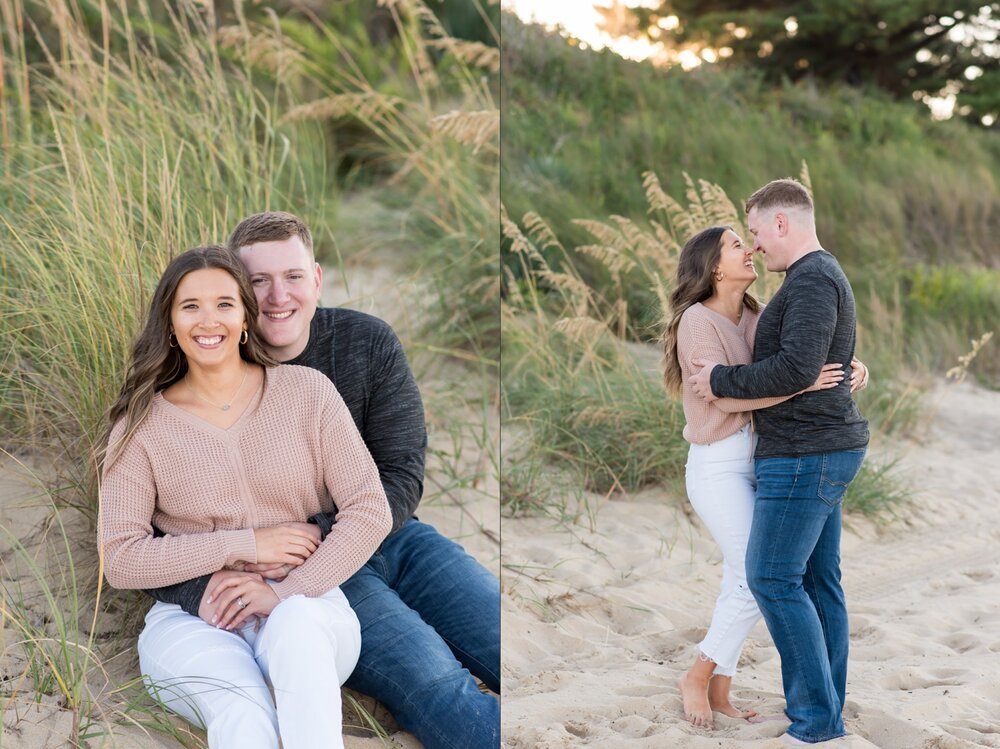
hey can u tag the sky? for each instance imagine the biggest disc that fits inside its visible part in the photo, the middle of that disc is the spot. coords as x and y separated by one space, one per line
579 19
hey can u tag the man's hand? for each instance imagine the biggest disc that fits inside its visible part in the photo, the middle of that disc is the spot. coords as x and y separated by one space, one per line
276 572
310 528
701 383
288 543
207 609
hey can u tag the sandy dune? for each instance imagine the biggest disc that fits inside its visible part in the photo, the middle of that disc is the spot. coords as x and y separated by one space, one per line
598 624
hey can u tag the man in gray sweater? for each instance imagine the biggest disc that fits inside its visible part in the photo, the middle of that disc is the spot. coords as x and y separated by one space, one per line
810 449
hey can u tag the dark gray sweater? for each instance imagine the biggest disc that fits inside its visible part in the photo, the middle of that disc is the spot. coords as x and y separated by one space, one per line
810 322
365 360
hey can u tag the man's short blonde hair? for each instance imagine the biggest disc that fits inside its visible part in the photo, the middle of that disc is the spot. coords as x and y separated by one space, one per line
781 193
270 226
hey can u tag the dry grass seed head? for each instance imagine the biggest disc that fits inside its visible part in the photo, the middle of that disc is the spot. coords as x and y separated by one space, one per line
475 54
474 129
368 106
541 231
583 328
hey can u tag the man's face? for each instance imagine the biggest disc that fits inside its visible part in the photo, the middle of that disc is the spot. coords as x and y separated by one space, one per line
287 283
768 237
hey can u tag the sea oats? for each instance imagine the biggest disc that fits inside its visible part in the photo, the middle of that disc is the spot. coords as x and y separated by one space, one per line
476 54
474 129
541 231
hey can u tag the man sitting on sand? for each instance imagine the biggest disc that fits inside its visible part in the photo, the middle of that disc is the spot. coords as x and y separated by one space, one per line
810 449
429 613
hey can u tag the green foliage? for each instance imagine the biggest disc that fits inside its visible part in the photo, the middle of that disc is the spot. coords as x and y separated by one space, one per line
592 412
877 492
954 306
860 44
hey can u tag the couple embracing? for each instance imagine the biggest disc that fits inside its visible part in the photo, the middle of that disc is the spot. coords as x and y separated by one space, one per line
776 439
263 463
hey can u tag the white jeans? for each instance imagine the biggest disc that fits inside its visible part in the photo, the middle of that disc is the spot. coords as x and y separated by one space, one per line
721 486
219 680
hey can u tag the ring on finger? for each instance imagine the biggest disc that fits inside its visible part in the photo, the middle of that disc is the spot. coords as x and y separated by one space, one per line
241 603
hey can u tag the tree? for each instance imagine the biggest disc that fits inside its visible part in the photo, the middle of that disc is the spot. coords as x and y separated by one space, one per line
918 48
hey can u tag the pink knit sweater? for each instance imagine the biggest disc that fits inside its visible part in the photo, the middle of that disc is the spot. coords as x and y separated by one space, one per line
294 452
705 334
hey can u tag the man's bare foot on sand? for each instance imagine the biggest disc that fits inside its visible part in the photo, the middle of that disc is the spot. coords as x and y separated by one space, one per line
718 699
694 691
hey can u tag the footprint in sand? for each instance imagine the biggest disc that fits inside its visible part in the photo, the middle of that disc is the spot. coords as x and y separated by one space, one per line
980 575
862 631
974 732
962 642
883 729
910 679
577 729
633 726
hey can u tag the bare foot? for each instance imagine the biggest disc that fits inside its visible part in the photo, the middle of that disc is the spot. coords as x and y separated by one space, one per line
727 708
695 693
718 699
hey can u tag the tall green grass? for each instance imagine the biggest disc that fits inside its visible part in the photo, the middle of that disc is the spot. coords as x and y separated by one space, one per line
127 137
435 134
115 163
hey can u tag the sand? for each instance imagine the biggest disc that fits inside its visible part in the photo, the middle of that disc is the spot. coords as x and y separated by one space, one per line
461 499
599 622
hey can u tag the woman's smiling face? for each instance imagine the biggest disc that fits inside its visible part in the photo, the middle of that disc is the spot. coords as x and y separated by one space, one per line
207 317
735 258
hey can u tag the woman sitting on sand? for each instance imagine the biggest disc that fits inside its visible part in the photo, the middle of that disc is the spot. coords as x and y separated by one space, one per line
228 453
713 317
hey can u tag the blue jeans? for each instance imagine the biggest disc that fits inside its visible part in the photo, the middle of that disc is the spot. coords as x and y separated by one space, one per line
430 621
793 569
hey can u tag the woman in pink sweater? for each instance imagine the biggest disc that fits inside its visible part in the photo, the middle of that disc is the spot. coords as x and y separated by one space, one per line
713 317
228 453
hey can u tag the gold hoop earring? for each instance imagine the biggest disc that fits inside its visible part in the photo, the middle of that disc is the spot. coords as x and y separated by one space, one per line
171 340
244 337
718 275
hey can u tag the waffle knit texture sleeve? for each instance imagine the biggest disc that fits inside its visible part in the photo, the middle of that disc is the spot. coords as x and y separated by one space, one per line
133 558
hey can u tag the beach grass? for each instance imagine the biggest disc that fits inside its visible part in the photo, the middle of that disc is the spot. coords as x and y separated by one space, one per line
131 133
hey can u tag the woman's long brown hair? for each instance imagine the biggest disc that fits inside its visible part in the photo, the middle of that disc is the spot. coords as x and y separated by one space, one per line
155 364
698 260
